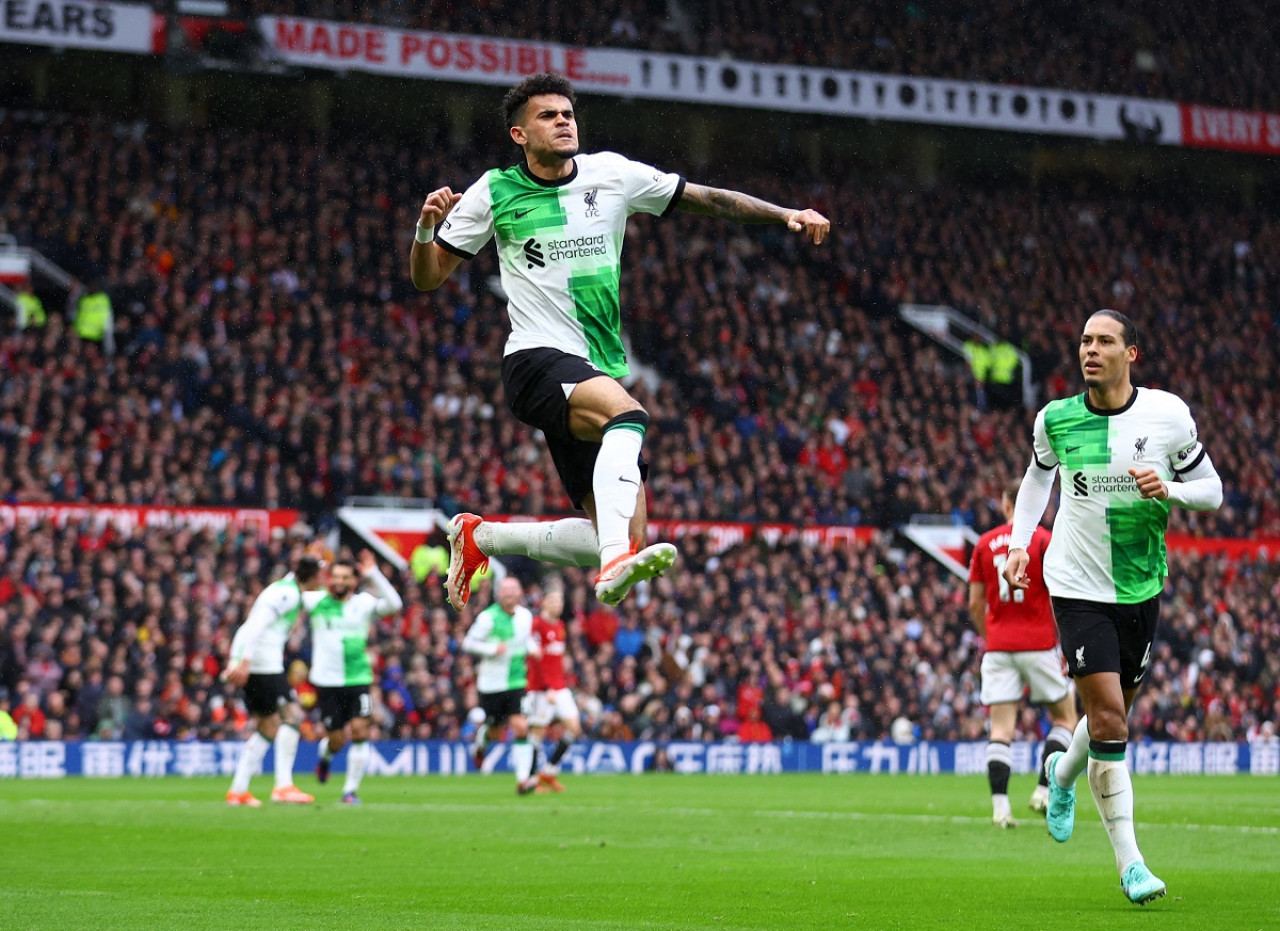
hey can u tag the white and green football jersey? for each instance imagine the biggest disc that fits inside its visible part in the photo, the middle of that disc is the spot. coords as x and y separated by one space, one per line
340 633
494 626
560 248
1108 541
264 632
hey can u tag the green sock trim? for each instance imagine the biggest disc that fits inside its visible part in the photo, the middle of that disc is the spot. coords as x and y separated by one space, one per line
1108 757
638 428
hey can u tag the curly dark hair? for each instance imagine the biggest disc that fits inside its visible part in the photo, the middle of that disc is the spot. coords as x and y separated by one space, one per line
547 82
308 568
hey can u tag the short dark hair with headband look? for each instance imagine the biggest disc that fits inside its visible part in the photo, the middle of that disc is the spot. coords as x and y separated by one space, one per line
1130 332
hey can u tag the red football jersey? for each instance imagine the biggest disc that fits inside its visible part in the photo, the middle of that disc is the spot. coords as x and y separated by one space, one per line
546 672
1017 621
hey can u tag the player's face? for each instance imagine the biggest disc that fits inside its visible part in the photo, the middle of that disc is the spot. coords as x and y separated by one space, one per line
548 127
509 594
341 581
553 604
1104 358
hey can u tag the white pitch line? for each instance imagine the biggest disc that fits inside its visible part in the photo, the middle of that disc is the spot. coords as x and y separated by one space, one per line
516 808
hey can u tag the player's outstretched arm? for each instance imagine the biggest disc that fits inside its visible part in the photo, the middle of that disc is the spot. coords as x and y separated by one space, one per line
430 265
743 208
389 600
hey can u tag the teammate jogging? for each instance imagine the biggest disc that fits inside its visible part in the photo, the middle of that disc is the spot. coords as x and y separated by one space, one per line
257 666
559 218
1119 449
500 637
341 622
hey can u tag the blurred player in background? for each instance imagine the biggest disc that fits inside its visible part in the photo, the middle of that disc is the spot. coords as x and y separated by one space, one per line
548 697
1119 448
1021 652
257 665
501 637
560 219
342 620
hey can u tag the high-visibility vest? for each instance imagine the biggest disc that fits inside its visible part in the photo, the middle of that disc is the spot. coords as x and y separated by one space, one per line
32 310
979 357
425 558
1004 362
93 314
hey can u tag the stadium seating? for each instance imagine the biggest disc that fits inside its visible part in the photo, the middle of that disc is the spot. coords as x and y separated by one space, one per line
1143 48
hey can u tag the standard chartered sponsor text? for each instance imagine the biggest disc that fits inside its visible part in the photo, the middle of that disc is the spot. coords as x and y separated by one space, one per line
1112 483
580 248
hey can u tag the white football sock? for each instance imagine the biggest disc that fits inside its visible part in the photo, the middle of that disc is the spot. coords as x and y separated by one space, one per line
522 759
1076 758
255 748
326 752
357 763
616 484
568 542
286 744
1112 789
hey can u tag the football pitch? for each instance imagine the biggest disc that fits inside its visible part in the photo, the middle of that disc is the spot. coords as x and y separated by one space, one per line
619 852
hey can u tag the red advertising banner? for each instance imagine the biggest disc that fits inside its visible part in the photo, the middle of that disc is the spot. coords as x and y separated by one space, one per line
1233 130
259 520
1232 548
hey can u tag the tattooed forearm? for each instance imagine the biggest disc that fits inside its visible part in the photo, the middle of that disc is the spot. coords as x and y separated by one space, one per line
729 205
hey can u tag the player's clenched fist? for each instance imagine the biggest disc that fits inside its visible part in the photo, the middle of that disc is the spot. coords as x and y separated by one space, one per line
814 225
1015 569
437 206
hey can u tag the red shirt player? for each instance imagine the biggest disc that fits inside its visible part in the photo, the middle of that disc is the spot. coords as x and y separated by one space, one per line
548 691
1022 652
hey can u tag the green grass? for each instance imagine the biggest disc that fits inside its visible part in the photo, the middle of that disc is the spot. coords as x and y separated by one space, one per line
622 852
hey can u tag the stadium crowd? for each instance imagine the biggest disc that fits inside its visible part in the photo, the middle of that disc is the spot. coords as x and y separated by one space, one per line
269 352
121 634
261 313
1144 48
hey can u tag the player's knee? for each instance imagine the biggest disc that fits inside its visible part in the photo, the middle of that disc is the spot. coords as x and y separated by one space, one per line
638 417
292 716
1108 724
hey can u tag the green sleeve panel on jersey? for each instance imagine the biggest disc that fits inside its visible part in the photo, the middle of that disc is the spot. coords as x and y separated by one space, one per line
1101 510
1138 564
518 673
596 304
1080 439
328 610
504 629
521 210
355 661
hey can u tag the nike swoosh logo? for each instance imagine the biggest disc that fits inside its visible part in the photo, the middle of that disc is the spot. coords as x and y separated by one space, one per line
629 481
1070 449
521 214
1112 795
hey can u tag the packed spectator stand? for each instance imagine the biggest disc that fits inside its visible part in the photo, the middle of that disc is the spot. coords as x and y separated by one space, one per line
270 352
1185 52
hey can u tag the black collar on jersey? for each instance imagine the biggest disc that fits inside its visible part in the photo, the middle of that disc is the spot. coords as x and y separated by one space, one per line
558 182
1110 412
